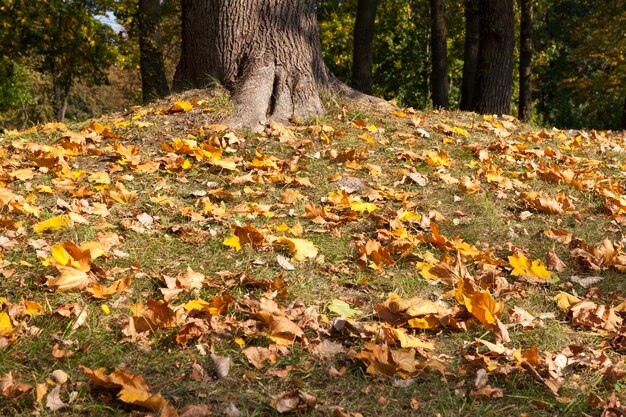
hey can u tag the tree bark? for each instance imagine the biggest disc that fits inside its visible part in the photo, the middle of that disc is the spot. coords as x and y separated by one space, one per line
362 56
192 70
153 81
495 57
266 52
525 61
470 56
624 116
439 50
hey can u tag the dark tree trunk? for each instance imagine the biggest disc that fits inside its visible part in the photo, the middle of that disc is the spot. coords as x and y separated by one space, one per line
470 56
362 57
525 61
192 70
59 101
153 81
495 57
439 54
624 116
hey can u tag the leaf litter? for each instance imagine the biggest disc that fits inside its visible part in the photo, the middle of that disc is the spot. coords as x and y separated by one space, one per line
375 211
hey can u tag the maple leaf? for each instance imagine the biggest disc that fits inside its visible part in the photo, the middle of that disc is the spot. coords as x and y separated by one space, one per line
522 267
117 287
484 307
52 223
301 249
6 327
132 388
180 106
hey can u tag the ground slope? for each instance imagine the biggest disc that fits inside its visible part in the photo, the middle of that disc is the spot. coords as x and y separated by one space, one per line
420 263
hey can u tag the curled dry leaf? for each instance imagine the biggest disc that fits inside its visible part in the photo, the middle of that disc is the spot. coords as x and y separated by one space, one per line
222 365
117 287
288 402
9 388
132 388
554 262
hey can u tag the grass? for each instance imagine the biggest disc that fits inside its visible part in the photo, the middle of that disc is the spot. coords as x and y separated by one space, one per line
491 219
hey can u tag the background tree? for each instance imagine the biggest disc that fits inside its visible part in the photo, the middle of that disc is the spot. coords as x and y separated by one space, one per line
439 50
494 79
193 67
68 41
525 61
362 56
580 63
470 54
153 81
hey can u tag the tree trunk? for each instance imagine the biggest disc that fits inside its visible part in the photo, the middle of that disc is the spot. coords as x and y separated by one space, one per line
525 61
624 116
192 70
470 58
439 54
61 85
362 57
153 81
268 54
495 57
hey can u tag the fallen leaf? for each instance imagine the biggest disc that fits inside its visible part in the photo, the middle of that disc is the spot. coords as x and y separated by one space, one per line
53 399
343 309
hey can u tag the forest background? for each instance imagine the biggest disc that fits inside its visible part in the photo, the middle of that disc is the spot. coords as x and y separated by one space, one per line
66 59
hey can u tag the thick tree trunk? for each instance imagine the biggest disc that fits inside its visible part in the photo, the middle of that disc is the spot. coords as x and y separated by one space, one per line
525 61
439 54
153 81
362 57
268 53
192 70
495 57
470 56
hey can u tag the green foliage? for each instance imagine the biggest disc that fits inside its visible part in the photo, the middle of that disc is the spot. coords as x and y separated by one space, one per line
14 88
401 47
62 38
580 64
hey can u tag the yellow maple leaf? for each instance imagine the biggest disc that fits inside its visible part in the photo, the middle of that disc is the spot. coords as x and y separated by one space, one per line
565 301
33 308
181 106
233 242
538 269
53 223
6 327
360 207
520 264
408 341
300 249
483 307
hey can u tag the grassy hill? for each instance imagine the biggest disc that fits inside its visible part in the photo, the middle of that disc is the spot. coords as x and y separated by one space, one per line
370 262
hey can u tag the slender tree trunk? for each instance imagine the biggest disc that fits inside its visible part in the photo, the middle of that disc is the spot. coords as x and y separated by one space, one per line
61 86
192 70
495 57
153 81
470 56
440 81
362 57
525 61
624 116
